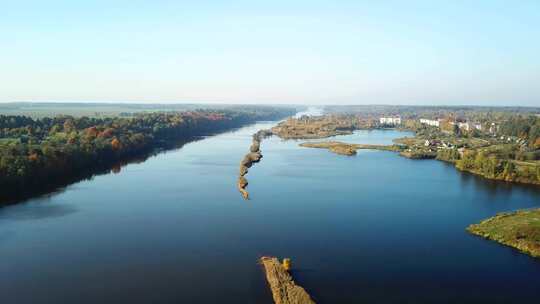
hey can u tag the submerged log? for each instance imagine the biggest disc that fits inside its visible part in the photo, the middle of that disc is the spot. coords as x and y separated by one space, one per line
284 290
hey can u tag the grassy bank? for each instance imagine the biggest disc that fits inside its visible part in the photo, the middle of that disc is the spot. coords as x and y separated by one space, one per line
520 230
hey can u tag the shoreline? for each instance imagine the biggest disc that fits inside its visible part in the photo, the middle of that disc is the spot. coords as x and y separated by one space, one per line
349 149
519 230
58 184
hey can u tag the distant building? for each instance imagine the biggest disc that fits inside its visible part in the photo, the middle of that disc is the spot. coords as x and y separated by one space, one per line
431 122
464 125
469 126
390 121
493 128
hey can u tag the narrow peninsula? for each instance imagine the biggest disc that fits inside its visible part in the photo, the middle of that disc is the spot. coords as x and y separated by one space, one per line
253 156
284 289
349 149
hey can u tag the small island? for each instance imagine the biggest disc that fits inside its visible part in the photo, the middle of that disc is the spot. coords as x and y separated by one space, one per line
520 230
349 149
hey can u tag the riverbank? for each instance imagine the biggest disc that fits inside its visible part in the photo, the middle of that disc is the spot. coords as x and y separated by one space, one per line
472 160
414 152
520 230
38 156
504 157
350 149
529 171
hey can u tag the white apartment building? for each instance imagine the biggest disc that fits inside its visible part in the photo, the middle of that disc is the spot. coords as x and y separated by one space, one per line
390 120
469 126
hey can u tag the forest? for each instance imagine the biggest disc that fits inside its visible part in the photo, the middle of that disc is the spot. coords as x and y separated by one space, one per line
37 155
503 162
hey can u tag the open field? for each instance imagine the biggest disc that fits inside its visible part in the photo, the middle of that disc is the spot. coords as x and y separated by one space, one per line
51 109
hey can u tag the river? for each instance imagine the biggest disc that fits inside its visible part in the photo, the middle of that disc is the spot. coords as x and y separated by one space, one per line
372 228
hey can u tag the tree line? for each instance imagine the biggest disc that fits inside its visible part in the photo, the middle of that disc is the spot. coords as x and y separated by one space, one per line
40 154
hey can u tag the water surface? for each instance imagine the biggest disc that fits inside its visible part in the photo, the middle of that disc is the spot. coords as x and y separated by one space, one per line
372 228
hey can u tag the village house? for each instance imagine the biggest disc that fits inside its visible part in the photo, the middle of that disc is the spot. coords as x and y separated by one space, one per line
467 126
431 122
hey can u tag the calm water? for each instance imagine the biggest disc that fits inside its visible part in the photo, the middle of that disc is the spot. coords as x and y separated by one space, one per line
373 228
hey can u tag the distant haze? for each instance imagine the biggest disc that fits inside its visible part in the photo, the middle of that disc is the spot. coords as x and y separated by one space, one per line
310 52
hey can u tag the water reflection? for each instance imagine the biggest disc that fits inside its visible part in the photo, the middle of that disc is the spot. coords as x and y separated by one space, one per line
494 188
36 211
174 230
59 186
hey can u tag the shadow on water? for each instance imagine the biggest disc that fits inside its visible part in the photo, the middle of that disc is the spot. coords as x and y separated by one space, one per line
59 185
493 187
38 211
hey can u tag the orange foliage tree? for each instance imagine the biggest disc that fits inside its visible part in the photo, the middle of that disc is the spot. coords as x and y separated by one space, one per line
92 132
116 144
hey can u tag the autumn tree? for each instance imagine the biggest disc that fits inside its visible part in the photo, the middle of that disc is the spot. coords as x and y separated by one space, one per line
116 144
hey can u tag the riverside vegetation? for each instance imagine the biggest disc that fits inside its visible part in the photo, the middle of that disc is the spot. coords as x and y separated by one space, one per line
39 155
510 154
308 127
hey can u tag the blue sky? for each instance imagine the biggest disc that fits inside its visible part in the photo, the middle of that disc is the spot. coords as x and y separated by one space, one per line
315 52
